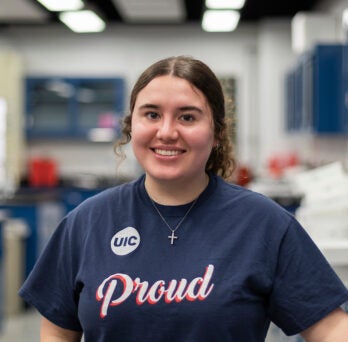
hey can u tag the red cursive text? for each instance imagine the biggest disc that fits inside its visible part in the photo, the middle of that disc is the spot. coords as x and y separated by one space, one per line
198 288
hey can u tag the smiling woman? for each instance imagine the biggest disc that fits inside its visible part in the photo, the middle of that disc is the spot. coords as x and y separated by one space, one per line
180 254
172 137
201 81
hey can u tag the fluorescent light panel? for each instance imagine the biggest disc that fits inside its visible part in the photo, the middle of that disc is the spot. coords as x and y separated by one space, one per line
82 21
345 18
151 11
224 4
62 5
220 20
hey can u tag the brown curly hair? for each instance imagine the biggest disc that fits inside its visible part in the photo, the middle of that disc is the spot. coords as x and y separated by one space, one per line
221 160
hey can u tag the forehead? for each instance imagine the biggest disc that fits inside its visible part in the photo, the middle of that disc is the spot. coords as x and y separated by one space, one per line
172 87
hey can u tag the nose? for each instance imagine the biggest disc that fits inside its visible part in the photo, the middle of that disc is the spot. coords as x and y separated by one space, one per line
167 129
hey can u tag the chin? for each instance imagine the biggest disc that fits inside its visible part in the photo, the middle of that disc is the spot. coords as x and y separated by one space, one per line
171 176
163 173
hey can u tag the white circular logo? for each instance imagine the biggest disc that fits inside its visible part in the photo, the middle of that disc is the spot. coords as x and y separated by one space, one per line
125 241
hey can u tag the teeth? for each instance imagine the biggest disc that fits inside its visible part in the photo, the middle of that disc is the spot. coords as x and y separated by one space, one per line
166 152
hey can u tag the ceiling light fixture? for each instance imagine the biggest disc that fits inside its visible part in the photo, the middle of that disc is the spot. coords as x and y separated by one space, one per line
85 21
224 4
151 11
62 5
345 18
220 21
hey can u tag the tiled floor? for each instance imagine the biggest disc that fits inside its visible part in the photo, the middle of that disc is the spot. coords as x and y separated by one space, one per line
22 327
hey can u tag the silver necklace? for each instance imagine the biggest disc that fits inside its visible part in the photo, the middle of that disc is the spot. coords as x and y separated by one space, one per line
173 237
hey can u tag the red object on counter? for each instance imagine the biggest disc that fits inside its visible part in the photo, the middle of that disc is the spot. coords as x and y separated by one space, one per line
243 175
42 172
277 164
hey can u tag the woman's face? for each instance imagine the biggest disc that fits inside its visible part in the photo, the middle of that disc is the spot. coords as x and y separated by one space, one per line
172 130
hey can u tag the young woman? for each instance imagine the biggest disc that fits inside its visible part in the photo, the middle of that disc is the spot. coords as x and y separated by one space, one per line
180 254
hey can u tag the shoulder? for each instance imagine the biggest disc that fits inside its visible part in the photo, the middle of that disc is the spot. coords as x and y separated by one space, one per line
107 200
256 212
98 211
118 192
241 196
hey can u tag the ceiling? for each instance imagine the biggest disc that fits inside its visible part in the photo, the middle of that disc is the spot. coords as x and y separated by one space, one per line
30 12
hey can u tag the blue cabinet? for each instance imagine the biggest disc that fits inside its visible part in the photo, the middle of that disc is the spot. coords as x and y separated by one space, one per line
298 98
71 107
27 212
41 210
294 96
316 91
329 110
290 99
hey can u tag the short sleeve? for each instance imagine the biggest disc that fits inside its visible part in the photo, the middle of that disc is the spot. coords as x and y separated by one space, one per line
51 286
306 288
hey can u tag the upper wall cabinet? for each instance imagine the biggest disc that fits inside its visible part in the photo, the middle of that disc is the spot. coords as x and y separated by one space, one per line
73 107
316 91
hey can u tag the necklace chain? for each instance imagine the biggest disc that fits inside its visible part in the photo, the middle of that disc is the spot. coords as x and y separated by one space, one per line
173 237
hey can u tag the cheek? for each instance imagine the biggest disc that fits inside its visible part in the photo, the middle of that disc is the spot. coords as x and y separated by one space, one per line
141 135
138 142
138 131
203 141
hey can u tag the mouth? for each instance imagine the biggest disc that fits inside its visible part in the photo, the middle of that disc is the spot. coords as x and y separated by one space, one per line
169 153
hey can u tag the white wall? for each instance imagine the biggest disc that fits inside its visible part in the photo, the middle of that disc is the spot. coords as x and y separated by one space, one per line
256 55
11 158
275 58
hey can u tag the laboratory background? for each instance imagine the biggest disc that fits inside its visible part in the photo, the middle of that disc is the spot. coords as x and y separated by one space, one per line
64 90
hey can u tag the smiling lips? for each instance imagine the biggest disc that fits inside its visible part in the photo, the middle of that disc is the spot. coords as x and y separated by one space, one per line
167 152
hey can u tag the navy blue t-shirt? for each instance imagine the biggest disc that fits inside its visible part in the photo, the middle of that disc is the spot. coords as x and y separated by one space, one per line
239 261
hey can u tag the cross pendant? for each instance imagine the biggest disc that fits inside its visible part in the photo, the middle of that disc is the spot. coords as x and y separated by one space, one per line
172 237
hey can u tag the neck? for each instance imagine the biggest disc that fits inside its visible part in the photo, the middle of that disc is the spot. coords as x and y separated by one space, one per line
175 192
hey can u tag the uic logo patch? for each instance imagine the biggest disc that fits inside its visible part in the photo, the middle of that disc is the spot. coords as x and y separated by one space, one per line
125 241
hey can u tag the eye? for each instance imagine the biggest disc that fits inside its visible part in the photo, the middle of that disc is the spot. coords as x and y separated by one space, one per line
187 117
152 115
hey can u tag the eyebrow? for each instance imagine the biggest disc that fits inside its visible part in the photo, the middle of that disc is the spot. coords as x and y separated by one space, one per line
183 108
192 108
148 106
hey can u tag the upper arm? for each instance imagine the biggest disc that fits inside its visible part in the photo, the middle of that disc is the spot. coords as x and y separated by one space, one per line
333 327
50 332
